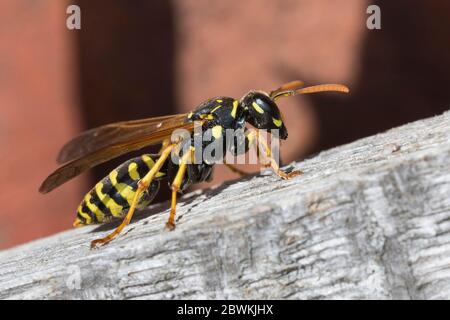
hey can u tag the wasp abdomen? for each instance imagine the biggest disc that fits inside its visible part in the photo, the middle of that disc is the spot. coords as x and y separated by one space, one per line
113 195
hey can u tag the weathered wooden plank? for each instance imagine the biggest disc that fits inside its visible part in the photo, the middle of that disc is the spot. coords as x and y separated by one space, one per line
370 219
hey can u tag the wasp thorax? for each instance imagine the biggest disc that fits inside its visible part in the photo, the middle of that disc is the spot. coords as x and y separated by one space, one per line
263 113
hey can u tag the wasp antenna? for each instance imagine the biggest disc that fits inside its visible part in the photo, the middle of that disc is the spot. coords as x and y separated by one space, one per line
290 86
322 88
275 95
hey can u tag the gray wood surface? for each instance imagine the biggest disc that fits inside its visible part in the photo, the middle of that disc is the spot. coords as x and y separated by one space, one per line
370 219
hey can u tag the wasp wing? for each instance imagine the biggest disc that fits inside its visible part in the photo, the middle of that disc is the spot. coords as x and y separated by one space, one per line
134 135
115 133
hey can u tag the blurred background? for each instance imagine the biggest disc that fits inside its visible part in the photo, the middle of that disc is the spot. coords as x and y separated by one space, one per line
135 59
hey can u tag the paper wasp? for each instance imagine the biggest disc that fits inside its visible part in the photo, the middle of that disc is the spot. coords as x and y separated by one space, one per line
134 183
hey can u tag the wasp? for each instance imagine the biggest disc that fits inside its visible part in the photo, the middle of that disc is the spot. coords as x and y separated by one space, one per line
133 184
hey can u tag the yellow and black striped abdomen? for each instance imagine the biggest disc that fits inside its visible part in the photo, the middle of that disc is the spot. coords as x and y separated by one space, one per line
112 196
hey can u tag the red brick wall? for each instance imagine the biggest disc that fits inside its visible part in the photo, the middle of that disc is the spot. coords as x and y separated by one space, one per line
38 113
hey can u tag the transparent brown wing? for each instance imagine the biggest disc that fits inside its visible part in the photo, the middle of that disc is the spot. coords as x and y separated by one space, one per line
115 133
140 136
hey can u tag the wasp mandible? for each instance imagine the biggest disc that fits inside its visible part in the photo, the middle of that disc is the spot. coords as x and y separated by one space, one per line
134 184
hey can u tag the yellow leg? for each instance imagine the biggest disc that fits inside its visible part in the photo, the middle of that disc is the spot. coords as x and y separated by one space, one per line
268 155
250 136
164 145
143 184
176 184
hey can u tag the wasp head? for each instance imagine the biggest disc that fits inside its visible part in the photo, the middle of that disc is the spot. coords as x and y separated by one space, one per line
262 112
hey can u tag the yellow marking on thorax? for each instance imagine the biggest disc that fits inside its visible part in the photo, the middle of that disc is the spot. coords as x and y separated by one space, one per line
217 131
219 106
235 106
277 122
123 189
206 116
85 215
116 210
190 115
257 108
132 171
94 209
219 100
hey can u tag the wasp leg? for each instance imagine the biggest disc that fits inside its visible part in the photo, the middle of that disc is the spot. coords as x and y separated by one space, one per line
236 170
271 161
251 138
248 142
143 184
164 145
176 184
